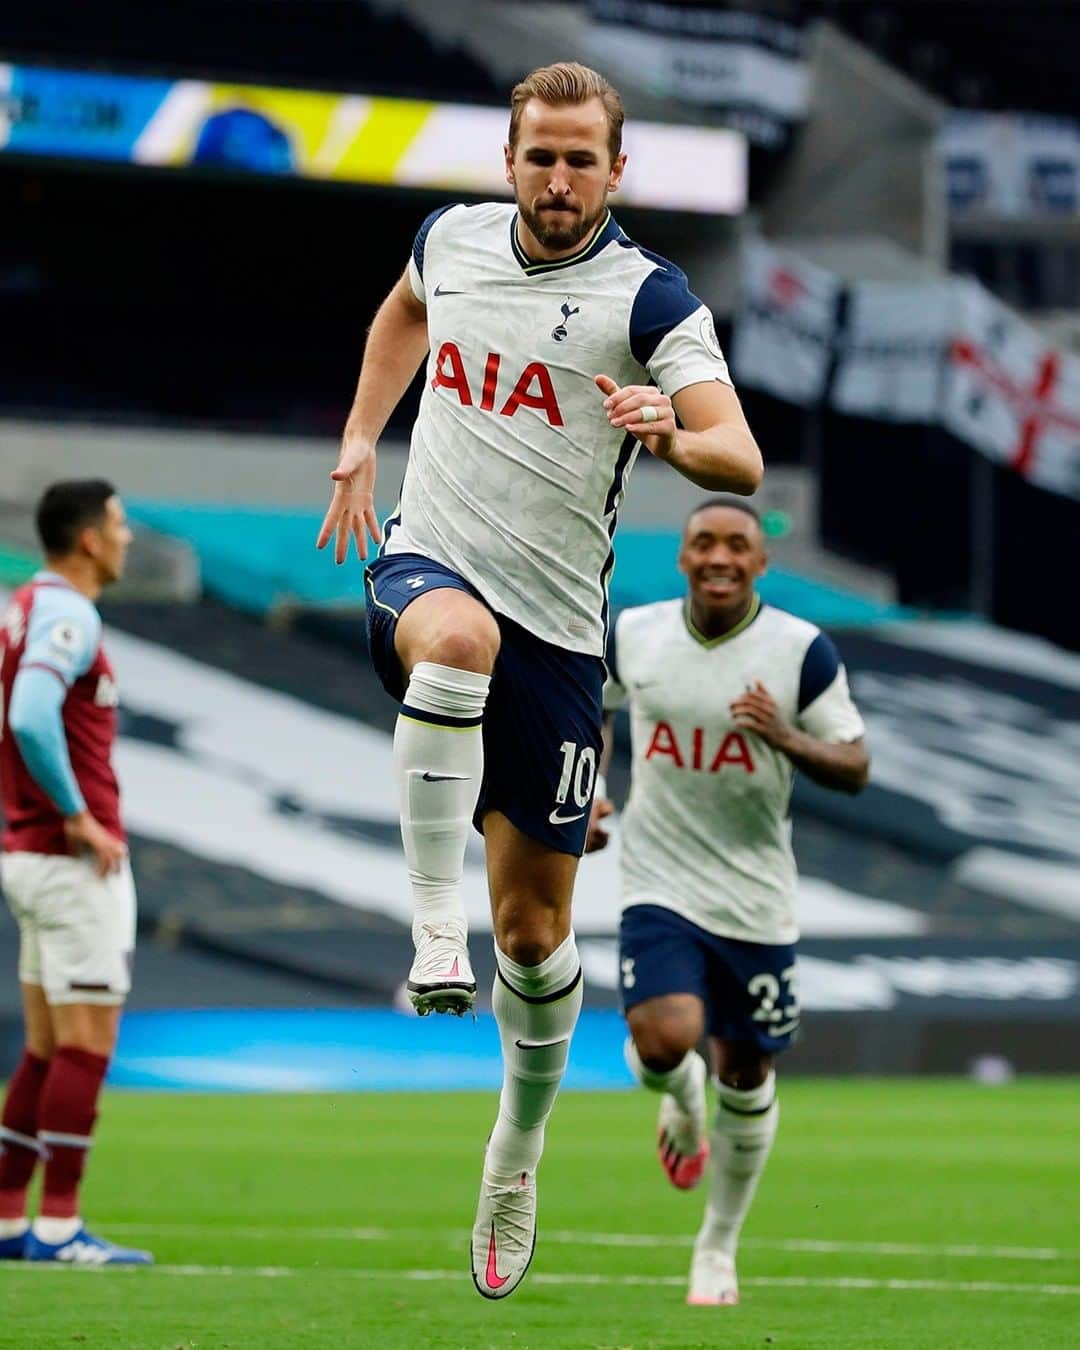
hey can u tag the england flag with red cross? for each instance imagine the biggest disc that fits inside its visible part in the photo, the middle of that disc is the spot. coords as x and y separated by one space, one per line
1012 395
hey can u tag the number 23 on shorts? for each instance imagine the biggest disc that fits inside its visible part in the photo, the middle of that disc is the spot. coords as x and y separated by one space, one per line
777 1001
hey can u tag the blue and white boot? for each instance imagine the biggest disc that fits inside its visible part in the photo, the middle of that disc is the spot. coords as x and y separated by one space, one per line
84 1249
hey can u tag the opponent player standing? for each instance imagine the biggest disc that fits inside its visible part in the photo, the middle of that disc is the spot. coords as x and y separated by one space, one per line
64 870
728 697
487 605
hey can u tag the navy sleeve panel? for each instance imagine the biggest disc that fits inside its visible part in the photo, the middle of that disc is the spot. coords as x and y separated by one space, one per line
421 237
660 305
610 656
819 668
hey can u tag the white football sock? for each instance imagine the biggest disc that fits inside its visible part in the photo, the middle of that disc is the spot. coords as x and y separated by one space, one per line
741 1138
537 1009
10 1228
439 762
55 1230
685 1082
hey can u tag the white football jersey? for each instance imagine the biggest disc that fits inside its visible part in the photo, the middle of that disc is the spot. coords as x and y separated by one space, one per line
515 475
706 830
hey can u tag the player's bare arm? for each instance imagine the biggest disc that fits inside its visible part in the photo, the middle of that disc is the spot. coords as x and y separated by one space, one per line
844 766
713 447
397 343
602 805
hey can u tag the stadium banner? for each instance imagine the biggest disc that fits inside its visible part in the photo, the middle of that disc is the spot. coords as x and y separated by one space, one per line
1011 165
749 66
349 138
785 327
891 351
941 352
1011 395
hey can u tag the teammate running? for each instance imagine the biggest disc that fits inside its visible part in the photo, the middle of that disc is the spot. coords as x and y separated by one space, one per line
555 347
727 697
64 870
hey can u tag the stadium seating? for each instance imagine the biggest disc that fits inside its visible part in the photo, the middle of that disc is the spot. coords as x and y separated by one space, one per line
1011 54
333 43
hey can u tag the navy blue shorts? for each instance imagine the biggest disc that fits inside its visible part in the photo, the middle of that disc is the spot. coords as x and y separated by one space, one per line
542 721
748 988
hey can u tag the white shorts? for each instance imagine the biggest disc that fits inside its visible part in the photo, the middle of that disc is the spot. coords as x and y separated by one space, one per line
76 929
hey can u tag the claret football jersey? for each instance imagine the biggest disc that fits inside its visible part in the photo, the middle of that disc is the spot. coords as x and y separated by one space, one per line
515 475
706 830
51 626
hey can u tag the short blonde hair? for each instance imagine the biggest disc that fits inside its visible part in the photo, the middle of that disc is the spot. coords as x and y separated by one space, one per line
568 82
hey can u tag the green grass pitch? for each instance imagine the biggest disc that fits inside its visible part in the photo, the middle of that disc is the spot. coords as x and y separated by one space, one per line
907 1214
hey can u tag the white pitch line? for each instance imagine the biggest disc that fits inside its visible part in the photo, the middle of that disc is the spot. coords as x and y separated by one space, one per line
564 1237
912 1249
643 1281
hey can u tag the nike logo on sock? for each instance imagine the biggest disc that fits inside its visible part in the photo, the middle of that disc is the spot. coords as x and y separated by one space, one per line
445 777
541 1045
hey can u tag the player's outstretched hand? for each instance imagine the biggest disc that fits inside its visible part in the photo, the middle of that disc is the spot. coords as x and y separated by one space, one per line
624 410
756 711
352 507
86 835
598 837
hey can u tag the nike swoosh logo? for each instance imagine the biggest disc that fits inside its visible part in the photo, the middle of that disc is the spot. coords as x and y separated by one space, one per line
439 291
541 1045
556 819
445 777
491 1275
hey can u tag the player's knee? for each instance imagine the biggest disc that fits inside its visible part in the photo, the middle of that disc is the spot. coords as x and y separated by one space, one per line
448 628
464 651
467 647
741 1067
530 918
527 946
530 934
662 1042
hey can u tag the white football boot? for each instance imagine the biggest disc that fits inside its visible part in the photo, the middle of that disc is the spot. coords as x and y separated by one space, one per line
504 1235
712 1279
441 979
681 1142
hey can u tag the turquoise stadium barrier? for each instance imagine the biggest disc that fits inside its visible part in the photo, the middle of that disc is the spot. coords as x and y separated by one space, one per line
259 559
346 1050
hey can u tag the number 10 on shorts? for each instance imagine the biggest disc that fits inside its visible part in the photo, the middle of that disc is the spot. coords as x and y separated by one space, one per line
578 772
